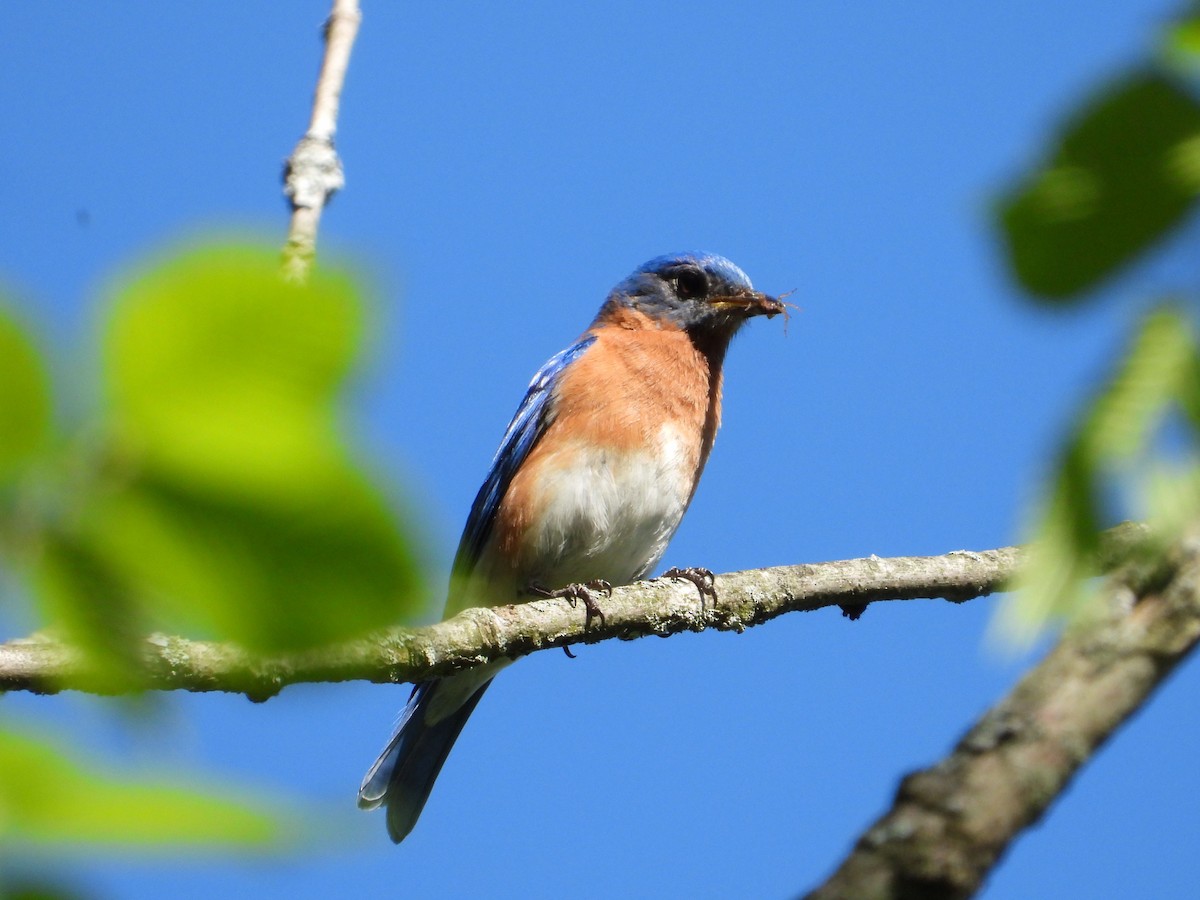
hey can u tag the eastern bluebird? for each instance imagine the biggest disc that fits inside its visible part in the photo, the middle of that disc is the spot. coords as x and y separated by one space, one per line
590 482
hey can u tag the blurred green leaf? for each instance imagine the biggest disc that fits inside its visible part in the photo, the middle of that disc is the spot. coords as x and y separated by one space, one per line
1061 555
1125 170
1189 395
1171 496
93 608
227 503
271 576
1153 375
24 397
46 797
26 887
1180 47
223 376
1116 431
246 515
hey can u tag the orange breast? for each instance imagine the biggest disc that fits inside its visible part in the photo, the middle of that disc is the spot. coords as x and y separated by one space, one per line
637 386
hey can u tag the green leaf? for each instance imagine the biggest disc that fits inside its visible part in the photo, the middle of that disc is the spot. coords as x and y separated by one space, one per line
229 504
48 798
24 397
1061 555
1180 46
37 890
1114 435
222 375
1170 494
271 576
1154 373
90 604
1124 172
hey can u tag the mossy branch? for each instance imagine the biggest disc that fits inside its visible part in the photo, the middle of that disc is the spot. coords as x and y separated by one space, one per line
662 607
950 824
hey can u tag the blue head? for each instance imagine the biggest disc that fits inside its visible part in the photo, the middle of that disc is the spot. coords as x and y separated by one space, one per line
701 293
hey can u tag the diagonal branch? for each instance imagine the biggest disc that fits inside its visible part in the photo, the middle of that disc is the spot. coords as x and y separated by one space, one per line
950 824
476 636
313 173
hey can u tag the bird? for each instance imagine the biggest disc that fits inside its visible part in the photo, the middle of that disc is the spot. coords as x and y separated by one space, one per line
590 482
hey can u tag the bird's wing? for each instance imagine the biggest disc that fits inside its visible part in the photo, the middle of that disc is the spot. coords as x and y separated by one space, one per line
532 418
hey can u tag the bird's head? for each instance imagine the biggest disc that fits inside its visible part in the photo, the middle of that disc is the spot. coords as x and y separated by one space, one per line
701 293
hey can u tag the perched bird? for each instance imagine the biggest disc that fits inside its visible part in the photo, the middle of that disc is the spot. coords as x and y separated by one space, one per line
590 482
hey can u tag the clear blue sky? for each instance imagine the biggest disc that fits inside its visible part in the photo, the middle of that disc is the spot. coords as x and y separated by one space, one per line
506 164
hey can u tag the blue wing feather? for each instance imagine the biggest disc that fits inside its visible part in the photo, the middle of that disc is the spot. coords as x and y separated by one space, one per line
526 427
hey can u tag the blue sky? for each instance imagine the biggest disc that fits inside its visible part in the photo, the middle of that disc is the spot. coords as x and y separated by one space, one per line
505 166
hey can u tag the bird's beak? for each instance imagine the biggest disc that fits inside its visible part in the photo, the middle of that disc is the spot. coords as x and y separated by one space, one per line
751 303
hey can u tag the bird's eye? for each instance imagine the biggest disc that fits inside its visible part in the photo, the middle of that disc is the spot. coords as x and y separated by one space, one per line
690 284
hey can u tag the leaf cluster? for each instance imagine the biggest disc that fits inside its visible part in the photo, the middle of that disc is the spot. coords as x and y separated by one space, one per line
209 490
1122 175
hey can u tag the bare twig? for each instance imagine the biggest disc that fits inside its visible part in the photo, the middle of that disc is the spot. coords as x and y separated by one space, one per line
313 173
950 824
662 607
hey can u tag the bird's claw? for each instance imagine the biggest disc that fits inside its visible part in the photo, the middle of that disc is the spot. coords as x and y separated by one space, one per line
702 578
576 594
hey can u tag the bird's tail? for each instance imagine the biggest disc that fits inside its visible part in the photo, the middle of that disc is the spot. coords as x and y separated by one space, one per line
405 771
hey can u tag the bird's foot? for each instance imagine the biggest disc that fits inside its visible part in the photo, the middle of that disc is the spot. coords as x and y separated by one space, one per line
702 578
576 594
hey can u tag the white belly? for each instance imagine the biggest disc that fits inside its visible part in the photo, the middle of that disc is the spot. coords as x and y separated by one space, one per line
607 514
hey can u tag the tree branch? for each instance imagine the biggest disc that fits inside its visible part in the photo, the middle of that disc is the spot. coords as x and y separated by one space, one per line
313 173
950 824
476 636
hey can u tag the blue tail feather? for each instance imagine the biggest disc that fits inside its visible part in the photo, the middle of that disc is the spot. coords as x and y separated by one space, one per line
403 775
